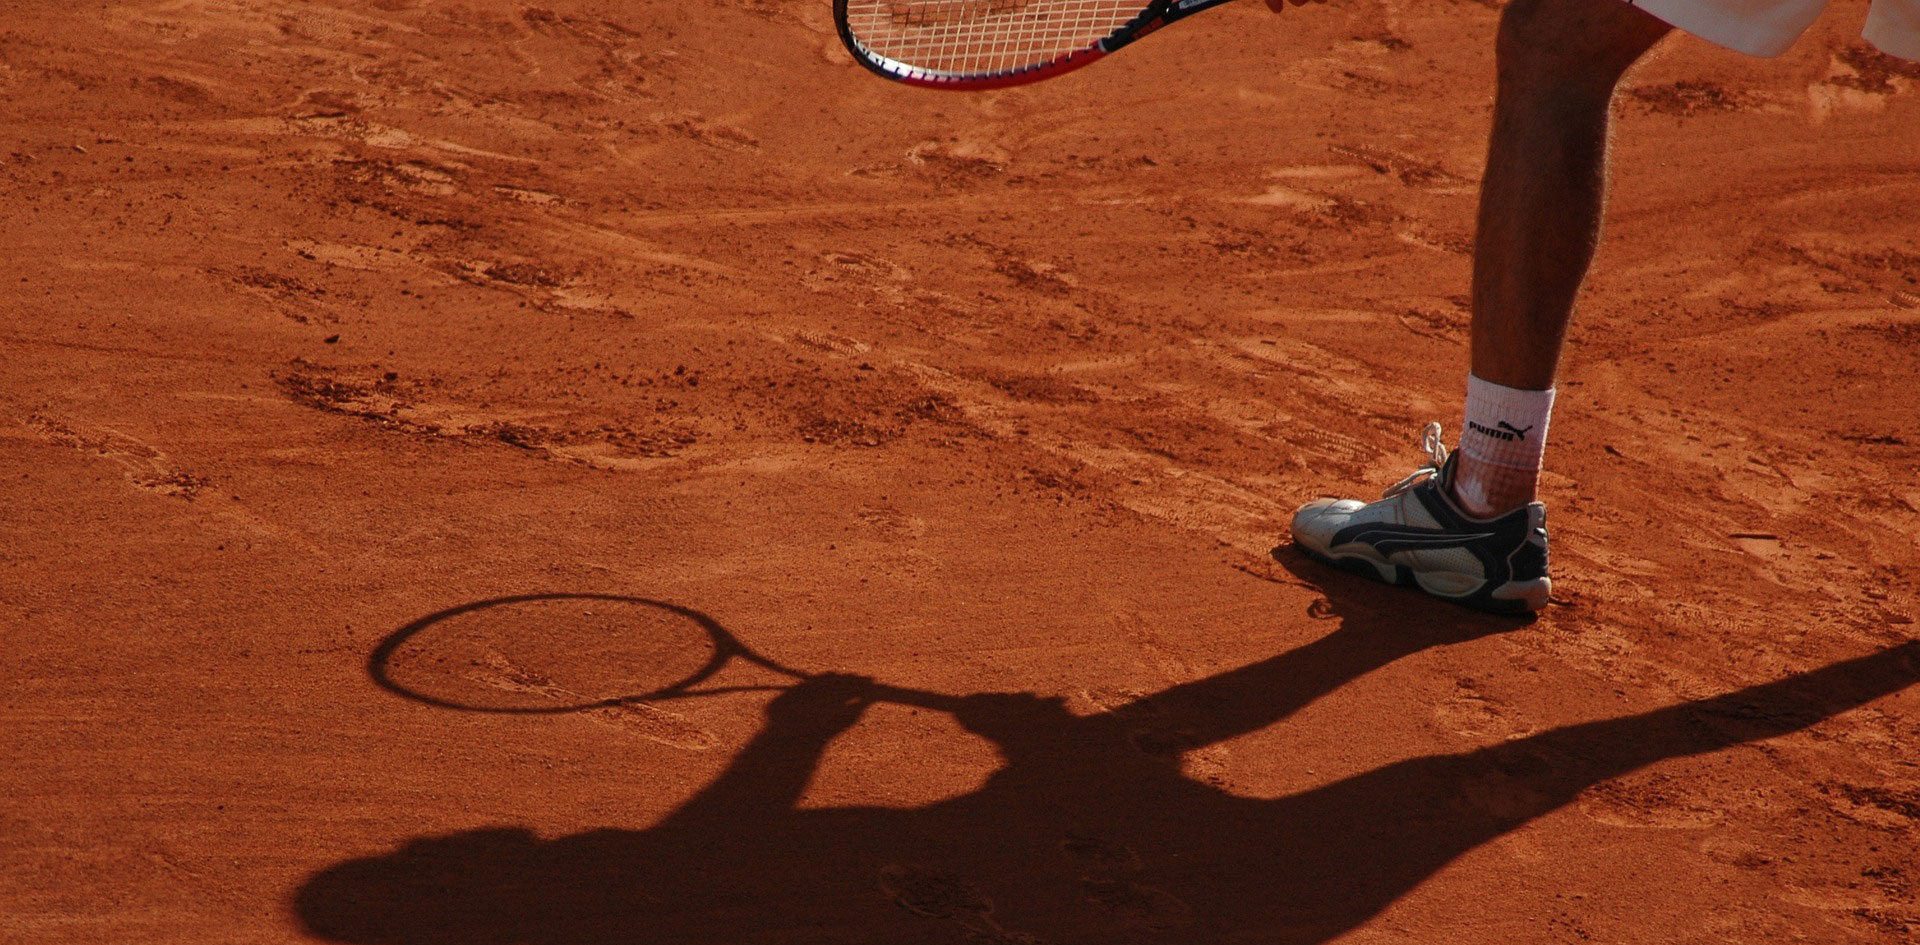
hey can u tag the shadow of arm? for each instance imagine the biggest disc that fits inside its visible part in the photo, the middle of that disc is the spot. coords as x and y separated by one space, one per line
1257 695
768 776
1406 821
1585 754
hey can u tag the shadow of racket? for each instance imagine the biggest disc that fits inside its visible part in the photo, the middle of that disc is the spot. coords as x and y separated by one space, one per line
628 651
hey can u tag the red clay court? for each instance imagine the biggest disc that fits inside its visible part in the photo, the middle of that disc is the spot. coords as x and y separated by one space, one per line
498 352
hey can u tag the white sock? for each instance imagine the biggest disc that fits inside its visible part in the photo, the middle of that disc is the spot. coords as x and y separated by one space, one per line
1502 441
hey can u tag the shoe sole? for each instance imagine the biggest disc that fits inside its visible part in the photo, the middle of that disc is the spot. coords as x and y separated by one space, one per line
1534 599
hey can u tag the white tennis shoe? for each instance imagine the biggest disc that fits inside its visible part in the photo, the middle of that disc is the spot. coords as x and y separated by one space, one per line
1417 535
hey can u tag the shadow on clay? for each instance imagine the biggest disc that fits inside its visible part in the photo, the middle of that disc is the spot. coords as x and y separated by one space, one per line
1088 832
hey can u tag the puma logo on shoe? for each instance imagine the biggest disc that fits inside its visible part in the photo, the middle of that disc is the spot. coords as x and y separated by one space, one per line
1500 431
1387 537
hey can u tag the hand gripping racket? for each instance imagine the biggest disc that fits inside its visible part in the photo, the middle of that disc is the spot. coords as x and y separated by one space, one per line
988 44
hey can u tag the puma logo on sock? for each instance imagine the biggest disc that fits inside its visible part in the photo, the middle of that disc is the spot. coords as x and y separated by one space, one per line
1505 431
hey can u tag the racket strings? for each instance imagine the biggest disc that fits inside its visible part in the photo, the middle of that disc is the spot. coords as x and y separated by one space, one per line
984 37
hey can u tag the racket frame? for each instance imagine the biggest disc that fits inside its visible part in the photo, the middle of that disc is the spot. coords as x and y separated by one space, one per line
726 648
1157 14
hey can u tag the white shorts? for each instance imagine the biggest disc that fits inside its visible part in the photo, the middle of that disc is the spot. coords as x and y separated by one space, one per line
1768 27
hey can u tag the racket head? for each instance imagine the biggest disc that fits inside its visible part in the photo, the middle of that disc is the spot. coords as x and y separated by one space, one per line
548 654
987 44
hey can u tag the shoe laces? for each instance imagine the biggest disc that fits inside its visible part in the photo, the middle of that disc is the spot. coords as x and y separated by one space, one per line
1436 458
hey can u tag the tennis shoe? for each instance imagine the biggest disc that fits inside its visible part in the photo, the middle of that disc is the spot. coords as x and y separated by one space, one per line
1418 536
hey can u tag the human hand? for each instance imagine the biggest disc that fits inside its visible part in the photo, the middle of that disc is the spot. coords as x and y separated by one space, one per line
988 713
831 700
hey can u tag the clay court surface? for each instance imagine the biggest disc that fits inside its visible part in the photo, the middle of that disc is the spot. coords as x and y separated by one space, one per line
508 325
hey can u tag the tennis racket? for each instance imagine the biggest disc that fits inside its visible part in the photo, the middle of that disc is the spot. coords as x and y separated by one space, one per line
989 44
551 654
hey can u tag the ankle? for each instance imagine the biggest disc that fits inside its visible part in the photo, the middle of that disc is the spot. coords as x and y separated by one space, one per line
1490 490
1502 443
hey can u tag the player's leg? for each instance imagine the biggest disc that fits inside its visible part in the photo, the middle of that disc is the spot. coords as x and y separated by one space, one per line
1540 200
1559 61
1539 221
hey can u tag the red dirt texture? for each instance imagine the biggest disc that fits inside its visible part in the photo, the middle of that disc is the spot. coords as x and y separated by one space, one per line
397 394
